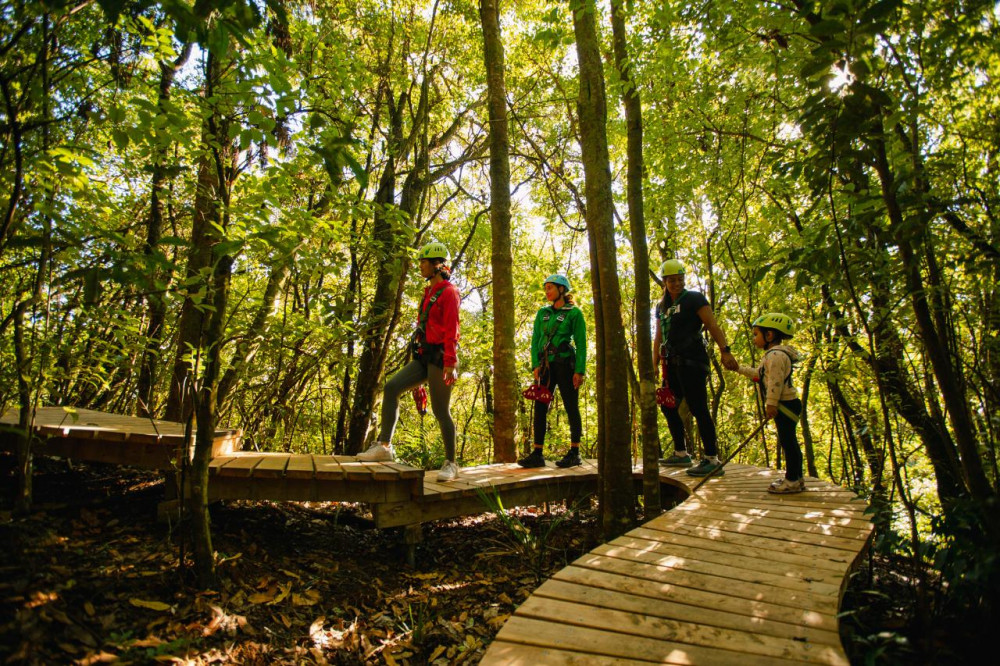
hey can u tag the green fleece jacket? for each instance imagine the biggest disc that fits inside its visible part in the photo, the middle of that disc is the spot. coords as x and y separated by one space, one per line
572 329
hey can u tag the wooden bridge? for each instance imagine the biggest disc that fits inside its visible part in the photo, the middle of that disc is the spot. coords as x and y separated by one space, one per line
732 574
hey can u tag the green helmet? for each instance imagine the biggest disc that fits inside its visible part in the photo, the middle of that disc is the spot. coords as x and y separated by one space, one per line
777 321
434 250
671 267
555 278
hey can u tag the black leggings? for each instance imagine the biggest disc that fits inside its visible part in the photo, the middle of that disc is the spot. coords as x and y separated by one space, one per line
788 441
561 375
690 382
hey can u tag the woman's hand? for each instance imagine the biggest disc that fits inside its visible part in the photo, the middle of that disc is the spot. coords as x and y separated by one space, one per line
770 411
578 380
729 361
450 375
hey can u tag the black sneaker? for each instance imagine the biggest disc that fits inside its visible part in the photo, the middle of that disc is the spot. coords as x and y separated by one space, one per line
534 459
571 459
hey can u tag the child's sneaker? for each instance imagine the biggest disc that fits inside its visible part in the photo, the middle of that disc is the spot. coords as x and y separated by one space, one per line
533 459
706 467
377 452
677 461
571 459
786 487
449 471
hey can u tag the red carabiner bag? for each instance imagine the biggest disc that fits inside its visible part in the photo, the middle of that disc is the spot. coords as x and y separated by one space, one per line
666 397
538 393
420 398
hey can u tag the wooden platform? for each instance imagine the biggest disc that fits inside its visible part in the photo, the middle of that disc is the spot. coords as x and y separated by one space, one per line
306 477
92 436
733 575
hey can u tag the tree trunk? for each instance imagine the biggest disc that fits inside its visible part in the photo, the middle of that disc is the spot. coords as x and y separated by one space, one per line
908 234
504 371
640 254
617 498
807 440
156 304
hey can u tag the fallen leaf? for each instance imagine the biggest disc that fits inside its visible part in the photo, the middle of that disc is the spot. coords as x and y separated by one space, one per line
283 592
151 605
437 652
88 608
307 598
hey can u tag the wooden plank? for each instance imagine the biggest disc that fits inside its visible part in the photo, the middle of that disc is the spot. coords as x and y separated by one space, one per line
636 625
778 535
684 612
708 582
355 470
531 631
504 653
833 518
769 560
842 557
690 559
715 599
240 465
300 466
718 512
272 465
329 468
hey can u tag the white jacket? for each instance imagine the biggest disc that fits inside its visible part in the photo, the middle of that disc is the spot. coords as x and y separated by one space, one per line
775 367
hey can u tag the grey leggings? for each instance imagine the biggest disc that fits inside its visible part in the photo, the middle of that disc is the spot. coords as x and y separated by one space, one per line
412 375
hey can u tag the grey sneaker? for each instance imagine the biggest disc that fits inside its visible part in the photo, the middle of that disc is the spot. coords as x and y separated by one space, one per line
677 461
449 471
786 487
377 452
706 467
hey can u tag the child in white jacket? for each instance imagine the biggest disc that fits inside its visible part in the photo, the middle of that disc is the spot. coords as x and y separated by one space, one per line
781 399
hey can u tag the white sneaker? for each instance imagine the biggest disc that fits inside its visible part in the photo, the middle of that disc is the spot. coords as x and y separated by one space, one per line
786 487
449 471
377 452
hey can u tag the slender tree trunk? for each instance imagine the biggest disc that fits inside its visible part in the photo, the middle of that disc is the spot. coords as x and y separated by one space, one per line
947 374
618 499
22 501
156 304
640 253
504 371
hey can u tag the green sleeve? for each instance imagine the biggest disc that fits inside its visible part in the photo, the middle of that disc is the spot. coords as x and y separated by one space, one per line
537 337
580 342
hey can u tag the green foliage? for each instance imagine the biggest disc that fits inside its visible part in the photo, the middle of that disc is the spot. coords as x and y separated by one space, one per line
516 539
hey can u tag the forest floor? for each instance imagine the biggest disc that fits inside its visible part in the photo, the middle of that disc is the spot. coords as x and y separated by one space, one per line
90 577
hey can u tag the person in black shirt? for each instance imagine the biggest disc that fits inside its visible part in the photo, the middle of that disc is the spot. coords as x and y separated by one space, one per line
680 346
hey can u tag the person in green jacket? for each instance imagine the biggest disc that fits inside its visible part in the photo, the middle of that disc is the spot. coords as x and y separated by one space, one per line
558 358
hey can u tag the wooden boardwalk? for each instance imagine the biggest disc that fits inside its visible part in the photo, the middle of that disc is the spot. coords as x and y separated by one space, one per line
88 435
732 575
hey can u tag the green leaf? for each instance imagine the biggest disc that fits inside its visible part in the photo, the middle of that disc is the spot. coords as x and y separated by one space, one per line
827 28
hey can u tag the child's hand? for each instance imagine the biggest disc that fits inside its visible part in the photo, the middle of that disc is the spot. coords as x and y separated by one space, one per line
771 411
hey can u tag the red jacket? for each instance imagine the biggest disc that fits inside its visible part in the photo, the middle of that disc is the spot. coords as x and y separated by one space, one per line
442 320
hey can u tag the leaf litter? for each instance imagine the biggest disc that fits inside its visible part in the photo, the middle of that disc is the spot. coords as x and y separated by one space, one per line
90 577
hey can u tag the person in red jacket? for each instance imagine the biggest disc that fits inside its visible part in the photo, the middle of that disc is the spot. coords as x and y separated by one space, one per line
435 360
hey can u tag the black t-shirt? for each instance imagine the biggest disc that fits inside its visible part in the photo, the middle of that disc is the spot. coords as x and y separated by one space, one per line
680 325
